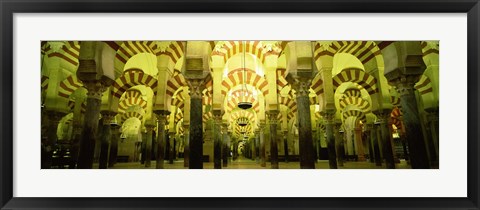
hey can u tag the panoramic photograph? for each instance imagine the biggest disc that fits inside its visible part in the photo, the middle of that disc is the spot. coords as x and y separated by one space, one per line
239 104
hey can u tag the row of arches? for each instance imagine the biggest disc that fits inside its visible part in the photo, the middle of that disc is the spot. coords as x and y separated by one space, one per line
150 75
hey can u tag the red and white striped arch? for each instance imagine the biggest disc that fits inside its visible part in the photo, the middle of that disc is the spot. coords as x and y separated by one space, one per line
395 117
424 85
69 52
175 83
358 102
71 105
237 96
365 51
130 78
231 48
281 81
353 113
131 98
127 49
236 77
44 82
128 115
68 86
175 51
369 83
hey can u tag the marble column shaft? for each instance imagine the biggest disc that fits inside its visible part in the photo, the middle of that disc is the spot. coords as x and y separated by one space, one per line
161 120
285 145
186 146
331 138
386 141
225 149
376 146
171 148
196 132
413 131
307 158
148 146
217 142
339 144
115 135
90 124
272 117
105 139
263 161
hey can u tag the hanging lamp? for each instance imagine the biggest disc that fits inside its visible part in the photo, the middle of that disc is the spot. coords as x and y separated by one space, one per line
244 104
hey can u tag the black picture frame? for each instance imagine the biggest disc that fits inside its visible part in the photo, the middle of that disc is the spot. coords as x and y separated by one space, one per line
10 7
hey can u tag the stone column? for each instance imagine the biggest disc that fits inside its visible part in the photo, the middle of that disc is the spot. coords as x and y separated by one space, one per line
171 148
329 117
186 144
105 139
285 145
432 118
217 140
339 143
196 124
404 80
359 144
54 118
307 158
376 146
77 134
95 90
257 145
369 133
272 120
225 149
263 161
383 117
115 135
148 145
161 120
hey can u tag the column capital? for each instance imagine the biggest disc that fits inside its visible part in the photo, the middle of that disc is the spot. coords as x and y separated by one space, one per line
95 88
404 79
161 113
301 85
107 117
54 115
383 115
328 116
196 87
149 127
272 116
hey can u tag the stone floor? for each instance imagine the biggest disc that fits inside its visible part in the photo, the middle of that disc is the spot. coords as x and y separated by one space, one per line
243 163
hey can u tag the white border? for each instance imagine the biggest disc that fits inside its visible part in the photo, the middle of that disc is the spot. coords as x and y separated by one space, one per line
449 181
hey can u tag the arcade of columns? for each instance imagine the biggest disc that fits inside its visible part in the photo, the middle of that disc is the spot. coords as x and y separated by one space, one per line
165 100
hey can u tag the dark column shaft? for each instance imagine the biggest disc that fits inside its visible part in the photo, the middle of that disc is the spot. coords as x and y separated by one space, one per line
196 133
148 148
387 144
104 146
225 149
186 149
273 145
217 144
89 137
171 148
285 146
113 146
263 161
307 158
161 118
332 153
53 120
376 146
413 132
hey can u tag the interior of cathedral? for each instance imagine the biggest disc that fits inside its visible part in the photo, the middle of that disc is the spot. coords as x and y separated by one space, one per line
240 104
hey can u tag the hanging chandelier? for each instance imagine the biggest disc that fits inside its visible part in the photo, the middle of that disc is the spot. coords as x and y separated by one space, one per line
244 104
242 121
